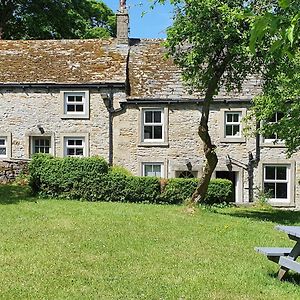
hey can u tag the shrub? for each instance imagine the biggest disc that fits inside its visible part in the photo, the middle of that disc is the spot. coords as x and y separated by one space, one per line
62 176
120 170
219 190
177 190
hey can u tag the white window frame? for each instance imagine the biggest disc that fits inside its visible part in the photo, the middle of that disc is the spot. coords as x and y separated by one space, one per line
233 123
7 137
153 124
146 142
286 181
75 114
73 136
5 146
274 142
161 164
228 138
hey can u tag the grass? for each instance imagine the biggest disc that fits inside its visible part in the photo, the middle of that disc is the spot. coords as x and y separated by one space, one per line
59 249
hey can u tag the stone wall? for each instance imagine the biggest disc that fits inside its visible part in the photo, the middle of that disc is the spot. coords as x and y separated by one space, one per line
24 109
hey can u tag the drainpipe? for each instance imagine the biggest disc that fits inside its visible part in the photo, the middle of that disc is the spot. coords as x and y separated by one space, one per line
108 100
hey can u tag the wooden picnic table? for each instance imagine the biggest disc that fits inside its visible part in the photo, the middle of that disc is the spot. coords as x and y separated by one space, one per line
285 257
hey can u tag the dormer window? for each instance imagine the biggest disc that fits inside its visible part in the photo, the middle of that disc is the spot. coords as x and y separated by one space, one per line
75 105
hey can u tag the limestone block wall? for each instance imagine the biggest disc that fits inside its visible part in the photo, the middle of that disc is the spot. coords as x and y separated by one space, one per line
22 110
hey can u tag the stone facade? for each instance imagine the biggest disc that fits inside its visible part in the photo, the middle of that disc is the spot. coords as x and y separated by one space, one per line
133 110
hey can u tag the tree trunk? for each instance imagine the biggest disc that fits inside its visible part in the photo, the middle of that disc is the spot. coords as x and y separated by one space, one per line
209 148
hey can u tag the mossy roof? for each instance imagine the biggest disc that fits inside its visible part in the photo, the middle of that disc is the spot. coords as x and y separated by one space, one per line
62 61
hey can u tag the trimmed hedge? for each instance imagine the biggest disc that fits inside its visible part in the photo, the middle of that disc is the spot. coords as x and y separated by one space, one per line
90 179
177 190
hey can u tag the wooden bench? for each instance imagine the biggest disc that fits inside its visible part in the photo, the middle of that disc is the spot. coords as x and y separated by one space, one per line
289 264
274 253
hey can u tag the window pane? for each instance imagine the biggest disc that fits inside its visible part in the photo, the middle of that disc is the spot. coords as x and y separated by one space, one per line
148 117
148 132
47 143
270 172
272 119
70 151
47 150
236 118
148 169
79 108
70 107
36 150
79 142
270 189
158 132
156 168
71 142
236 130
229 117
2 142
279 116
79 151
71 98
228 130
2 151
281 173
157 117
78 98
281 190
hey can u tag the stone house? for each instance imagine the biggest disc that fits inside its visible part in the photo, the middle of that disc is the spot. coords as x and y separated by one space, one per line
121 99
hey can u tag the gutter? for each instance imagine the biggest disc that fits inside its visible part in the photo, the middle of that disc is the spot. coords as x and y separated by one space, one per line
63 85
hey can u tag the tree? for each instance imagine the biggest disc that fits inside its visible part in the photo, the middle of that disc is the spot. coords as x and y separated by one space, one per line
279 24
55 19
209 41
279 19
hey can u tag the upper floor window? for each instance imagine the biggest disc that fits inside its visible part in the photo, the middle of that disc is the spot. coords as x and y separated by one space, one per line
153 125
3 147
75 104
233 124
273 137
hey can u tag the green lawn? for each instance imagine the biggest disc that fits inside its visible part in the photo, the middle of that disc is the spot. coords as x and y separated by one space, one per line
55 249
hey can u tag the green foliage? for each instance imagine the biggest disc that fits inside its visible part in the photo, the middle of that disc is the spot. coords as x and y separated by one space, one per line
89 179
48 19
62 176
219 191
178 190
120 170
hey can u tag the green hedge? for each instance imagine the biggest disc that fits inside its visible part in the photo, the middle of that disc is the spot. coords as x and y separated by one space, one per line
90 179
177 190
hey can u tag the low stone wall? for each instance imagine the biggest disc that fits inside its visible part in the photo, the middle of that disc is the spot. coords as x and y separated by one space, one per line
11 168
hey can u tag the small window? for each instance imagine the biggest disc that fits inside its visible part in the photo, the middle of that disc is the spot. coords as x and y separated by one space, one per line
3 147
273 120
153 125
276 182
40 144
233 124
153 169
186 174
74 146
75 104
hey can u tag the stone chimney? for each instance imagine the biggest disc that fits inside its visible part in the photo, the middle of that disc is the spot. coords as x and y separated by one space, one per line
122 24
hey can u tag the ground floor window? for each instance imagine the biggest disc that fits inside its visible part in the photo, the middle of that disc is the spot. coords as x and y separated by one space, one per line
3 146
74 146
40 144
153 169
277 182
186 174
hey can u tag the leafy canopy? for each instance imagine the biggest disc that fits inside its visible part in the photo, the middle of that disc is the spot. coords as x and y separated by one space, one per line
55 19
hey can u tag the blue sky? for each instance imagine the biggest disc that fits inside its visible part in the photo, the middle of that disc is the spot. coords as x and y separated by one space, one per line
152 25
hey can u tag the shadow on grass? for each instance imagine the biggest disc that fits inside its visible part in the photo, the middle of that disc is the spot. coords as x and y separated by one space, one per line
11 194
290 277
284 217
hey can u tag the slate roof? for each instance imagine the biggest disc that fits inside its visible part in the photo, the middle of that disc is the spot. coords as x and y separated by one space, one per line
151 75
62 61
